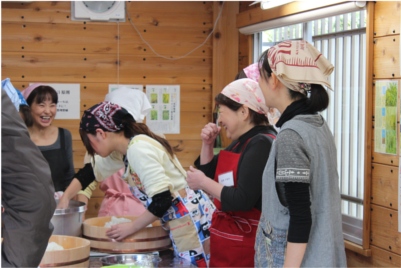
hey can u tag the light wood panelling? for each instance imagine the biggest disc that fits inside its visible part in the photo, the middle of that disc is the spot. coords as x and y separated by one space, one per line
40 12
92 209
384 186
40 43
257 15
387 18
379 258
226 41
79 68
384 229
386 57
171 34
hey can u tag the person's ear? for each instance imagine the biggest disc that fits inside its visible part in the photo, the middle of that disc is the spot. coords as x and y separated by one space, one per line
101 133
274 80
244 111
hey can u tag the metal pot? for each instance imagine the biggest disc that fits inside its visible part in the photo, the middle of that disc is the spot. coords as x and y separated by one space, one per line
69 221
132 260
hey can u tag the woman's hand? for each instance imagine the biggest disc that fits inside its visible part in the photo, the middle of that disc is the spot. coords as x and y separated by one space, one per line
121 231
209 133
63 202
195 178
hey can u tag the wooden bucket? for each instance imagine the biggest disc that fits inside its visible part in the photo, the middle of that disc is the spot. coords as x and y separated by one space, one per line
149 239
75 253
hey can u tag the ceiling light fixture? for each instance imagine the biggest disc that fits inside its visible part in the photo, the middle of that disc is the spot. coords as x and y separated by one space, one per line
273 3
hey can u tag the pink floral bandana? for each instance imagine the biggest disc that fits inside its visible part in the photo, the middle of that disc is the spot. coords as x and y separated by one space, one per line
247 92
252 71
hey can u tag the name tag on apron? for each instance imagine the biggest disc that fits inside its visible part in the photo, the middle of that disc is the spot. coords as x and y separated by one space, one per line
227 179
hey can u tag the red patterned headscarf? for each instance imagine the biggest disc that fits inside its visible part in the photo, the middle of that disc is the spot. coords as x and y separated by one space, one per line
297 64
105 115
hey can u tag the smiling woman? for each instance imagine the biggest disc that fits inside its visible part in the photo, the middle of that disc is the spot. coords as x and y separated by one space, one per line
54 143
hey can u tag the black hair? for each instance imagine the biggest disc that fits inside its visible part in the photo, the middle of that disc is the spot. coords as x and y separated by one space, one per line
256 118
41 94
25 112
130 129
317 99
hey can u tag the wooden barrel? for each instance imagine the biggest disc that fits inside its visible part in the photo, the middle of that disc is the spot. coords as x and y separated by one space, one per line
75 254
149 239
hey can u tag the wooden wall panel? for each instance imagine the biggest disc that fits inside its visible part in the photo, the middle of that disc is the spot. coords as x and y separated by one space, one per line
387 18
379 258
386 57
79 68
40 43
384 229
384 186
93 207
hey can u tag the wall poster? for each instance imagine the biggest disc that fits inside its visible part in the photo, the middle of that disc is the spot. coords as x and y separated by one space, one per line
164 117
399 169
69 100
385 110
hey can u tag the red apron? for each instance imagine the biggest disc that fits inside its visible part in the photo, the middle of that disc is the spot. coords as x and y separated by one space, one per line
232 234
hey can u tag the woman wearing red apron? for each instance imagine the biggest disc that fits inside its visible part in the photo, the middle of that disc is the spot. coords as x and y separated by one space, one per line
234 176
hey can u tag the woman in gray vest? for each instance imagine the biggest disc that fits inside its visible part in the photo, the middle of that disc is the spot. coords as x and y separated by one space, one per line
301 214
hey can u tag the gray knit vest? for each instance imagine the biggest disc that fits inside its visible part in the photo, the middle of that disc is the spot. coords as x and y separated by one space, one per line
326 244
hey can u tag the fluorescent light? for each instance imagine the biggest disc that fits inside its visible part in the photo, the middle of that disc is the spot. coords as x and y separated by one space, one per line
273 3
305 16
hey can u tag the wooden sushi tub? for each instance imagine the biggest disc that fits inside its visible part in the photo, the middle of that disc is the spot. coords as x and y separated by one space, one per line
75 253
152 238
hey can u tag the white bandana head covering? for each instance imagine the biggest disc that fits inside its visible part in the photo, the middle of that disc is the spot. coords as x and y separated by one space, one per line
297 64
133 100
247 92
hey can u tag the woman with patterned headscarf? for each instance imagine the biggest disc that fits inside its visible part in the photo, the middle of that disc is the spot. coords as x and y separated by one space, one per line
111 134
234 176
301 221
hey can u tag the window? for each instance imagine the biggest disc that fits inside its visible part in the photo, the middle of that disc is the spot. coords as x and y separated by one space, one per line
342 40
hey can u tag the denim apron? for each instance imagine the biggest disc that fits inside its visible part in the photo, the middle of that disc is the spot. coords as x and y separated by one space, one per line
271 241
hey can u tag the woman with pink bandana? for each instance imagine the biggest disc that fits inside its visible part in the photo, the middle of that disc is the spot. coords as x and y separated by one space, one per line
234 176
301 223
55 143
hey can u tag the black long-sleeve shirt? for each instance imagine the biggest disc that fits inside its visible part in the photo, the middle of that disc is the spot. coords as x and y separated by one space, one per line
254 151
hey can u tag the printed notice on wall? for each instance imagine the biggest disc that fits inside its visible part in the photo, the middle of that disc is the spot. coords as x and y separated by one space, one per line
68 106
113 87
399 189
386 117
399 174
164 117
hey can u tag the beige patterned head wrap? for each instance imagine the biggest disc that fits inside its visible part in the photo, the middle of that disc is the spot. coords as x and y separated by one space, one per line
297 64
247 92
